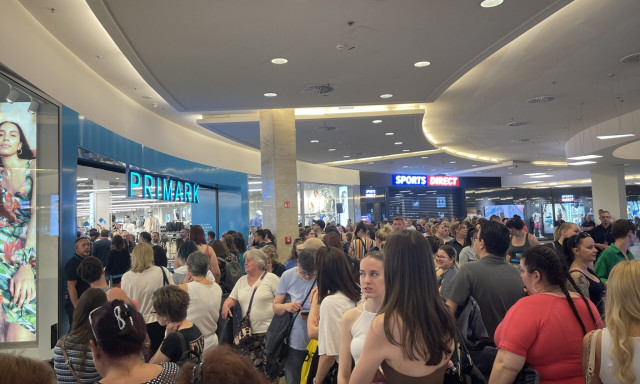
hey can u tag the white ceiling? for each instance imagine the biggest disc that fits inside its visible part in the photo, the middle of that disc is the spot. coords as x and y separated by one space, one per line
207 57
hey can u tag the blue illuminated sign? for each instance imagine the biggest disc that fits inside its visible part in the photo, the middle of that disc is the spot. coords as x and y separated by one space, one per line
149 186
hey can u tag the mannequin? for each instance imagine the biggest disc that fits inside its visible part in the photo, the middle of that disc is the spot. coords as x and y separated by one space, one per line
151 223
536 217
129 226
256 221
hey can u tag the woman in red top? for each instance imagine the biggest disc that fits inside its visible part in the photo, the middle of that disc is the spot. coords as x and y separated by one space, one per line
546 328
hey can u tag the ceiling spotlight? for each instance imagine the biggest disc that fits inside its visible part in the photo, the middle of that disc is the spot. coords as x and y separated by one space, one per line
406 150
386 96
377 121
398 143
474 165
421 64
346 156
271 94
424 157
279 60
389 134
541 99
12 96
331 149
583 162
33 107
405 166
490 3
452 162
314 141
371 162
606 137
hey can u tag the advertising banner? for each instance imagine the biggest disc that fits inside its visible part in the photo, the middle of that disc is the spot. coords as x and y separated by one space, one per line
18 253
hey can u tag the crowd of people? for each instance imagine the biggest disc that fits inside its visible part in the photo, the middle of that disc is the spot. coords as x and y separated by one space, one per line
388 302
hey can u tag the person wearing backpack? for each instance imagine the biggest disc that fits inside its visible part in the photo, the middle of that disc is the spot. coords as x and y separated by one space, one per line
184 341
230 268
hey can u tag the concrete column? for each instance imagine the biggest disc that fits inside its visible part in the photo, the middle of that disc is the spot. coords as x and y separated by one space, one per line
279 176
609 192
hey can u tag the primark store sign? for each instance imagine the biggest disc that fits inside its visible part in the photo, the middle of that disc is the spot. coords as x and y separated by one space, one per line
158 187
426 180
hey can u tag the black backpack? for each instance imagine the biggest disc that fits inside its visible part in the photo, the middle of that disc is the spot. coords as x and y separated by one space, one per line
188 355
230 272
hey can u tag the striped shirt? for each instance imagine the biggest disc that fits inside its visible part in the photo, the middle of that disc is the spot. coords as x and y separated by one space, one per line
86 372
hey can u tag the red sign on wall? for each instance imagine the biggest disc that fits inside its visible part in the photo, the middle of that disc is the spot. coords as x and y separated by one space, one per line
287 204
444 181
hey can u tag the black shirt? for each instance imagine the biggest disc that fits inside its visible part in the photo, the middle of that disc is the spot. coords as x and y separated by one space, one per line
558 223
172 348
71 274
118 262
159 256
602 235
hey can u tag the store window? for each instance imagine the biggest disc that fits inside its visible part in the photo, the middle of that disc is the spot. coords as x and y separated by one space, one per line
29 218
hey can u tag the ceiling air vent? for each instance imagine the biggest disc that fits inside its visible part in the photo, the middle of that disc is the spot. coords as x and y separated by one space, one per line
541 99
631 59
318 89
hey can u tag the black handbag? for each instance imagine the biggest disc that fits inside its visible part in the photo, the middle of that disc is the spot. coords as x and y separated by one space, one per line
463 371
244 333
276 341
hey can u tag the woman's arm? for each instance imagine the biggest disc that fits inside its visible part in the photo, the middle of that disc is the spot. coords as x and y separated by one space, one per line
213 264
532 240
226 307
506 367
159 358
345 359
324 364
314 316
376 347
280 307
581 282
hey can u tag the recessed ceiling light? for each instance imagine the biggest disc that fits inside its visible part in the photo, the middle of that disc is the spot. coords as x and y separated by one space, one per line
406 150
389 134
585 157
377 121
331 149
398 143
609 137
371 162
452 162
346 156
474 165
540 176
421 64
424 157
271 94
314 141
516 123
405 166
583 162
117 178
490 3
534 174
531 182
279 60
386 96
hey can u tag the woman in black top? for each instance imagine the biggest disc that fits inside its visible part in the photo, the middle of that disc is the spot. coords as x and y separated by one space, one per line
581 251
119 259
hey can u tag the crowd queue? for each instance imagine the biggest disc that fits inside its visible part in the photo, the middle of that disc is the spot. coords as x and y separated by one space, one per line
398 302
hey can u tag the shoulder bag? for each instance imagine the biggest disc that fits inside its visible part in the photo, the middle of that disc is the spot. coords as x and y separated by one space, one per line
276 342
591 355
67 362
165 279
244 333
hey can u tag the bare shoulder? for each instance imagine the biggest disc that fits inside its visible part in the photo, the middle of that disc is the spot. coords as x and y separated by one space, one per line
351 316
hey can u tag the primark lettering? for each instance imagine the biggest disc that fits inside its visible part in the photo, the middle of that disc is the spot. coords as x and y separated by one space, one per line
162 188
432 181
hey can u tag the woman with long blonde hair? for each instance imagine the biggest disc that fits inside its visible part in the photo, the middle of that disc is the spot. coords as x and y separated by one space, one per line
616 360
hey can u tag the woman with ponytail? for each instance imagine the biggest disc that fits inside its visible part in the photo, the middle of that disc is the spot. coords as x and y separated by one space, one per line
617 359
545 329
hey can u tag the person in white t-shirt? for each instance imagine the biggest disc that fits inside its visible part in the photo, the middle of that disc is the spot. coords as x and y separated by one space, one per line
337 293
265 285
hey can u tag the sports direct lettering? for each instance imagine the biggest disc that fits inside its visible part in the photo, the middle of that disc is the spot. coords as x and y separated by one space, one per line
432 181
444 181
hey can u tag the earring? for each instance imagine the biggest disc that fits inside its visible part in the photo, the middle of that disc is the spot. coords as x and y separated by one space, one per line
19 151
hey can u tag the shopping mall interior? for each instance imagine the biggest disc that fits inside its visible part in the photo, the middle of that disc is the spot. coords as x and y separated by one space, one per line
238 115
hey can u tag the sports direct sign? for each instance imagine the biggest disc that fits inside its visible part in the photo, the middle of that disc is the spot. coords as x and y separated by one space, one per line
426 180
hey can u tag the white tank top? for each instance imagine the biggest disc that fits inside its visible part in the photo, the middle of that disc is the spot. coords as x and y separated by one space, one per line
204 310
359 332
607 371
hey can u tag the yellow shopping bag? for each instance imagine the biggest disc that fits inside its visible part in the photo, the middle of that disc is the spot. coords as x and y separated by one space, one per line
312 349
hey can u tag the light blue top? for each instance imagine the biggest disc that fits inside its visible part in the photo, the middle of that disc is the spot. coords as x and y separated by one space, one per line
296 288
